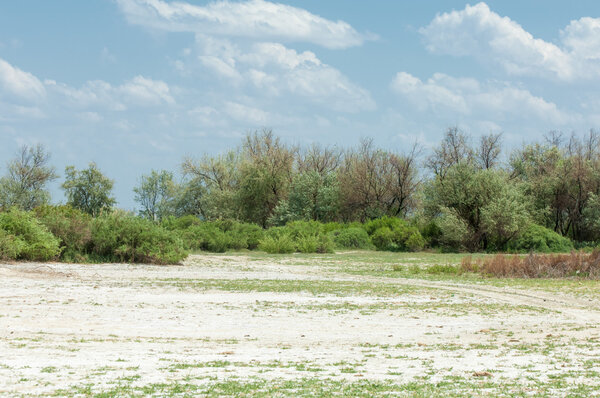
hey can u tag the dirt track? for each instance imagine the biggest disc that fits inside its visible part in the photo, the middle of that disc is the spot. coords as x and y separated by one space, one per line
218 317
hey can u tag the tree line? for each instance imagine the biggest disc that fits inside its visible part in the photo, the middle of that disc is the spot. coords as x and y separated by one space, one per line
464 194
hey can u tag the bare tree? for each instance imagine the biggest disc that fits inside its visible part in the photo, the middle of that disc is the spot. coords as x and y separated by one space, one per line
554 138
453 148
405 182
323 160
490 147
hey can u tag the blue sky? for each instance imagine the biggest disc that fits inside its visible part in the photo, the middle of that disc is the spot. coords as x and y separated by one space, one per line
135 85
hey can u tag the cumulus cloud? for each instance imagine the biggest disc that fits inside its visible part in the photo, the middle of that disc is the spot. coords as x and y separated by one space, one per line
137 92
271 69
256 19
15 82
483 34
445 95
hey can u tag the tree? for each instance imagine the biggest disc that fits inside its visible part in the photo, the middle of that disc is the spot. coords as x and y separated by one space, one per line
88 190
211 186
157 194
453 149
322 160
374 182
266 172
313 196
490 147
25 185
478 208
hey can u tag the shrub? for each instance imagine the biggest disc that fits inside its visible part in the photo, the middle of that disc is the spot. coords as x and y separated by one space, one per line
25 238
351 238
297 229
205 236
241 235
121 236
179 223
383 239
277 243
540 239
10 246
71 226
415 242
314 244
383 222
394 234
432 233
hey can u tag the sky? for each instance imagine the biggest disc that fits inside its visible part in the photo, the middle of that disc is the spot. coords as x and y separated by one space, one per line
136 85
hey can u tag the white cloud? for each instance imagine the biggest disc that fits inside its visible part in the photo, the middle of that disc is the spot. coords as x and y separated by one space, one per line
144 91
17 83
582 38
137 92
446 96
256 19
248 114
481 33
271 69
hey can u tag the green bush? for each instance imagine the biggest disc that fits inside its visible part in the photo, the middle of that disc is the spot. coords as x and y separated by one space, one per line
383 239
297 229
314 244
25 238
123 237
241 235
204 236
277 243
384 222
10 246
540 239
179 223
432 234
394 234
71 226
351 238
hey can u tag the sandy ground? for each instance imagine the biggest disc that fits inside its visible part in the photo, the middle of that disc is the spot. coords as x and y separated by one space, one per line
64 326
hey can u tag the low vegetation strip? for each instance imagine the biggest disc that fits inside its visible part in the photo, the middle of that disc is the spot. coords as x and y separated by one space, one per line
575 264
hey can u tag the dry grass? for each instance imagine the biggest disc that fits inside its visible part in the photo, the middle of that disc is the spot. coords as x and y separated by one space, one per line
575 264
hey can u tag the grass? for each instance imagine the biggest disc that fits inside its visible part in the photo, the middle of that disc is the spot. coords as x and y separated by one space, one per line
314 287
468 385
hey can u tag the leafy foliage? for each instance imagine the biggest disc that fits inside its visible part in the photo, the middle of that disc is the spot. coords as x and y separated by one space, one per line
540 239
121 236
88 190
23 237
394 234
71 226
351 238
28 175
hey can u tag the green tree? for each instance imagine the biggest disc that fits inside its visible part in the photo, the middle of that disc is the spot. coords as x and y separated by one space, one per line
157 194
476 208
313 196
25 185
211 186
88 190
266 173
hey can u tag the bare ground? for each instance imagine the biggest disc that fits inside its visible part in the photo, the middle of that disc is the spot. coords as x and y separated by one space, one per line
71 329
